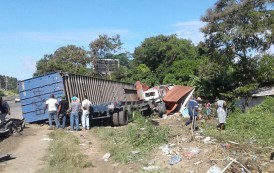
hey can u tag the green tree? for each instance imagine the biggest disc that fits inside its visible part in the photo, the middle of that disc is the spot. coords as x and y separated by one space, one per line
183 72
158 53
142 73
266 71
239 27
237 30
71 59
105 46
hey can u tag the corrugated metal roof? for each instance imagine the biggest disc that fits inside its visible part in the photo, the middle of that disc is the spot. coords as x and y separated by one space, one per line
266 91
176 93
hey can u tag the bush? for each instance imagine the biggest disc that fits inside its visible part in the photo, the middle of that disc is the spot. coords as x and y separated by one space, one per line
140 135
256 125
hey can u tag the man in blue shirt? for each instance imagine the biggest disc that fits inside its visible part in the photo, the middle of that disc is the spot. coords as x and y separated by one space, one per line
192 110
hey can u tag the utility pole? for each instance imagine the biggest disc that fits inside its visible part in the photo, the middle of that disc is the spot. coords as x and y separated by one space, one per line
6 83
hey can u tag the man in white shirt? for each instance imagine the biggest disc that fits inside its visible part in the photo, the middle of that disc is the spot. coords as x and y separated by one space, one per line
85 116
51 105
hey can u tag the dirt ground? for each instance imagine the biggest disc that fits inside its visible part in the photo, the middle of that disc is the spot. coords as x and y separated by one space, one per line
197 155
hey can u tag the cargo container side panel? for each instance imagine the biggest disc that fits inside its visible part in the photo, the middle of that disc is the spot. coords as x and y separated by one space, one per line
104 91
108 88
34 93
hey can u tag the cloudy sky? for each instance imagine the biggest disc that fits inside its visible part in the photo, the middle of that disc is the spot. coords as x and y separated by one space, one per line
30 29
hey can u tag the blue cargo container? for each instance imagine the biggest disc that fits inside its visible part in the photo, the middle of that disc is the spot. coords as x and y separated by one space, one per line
35 91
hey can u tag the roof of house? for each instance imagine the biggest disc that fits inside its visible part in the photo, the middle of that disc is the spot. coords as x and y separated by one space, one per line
265 91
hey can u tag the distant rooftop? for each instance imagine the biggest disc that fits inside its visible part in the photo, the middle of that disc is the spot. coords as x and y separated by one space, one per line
265 91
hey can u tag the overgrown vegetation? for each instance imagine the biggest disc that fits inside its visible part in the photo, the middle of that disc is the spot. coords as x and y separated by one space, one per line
64 155
255 126
140 136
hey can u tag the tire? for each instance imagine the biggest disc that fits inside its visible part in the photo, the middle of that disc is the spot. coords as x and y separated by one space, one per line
161 109
130 112
12 129
123 117
115 119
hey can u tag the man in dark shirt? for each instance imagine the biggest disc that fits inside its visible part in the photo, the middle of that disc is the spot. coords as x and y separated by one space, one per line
4 109
63 110
192 111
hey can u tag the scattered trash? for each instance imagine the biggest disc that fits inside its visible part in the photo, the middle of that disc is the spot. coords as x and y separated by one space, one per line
142 129
191 152
190 171
172 145
199 162
206 139
164 116
166 149
235 161
194 150
199 137
151 168
225 145
106 157
135 152
47 139
233 142
214 169
82 144
174 159
183 139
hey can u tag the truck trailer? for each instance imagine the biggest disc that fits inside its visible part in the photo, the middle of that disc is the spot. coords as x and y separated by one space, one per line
110 99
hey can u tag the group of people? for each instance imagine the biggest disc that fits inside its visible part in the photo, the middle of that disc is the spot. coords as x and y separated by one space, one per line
60 110
193 111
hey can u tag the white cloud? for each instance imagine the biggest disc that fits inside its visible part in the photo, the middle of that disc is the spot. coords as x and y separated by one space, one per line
189 30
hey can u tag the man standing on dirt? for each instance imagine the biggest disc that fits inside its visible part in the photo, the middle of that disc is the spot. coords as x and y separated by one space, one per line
51 105
5 109
85 116
75 107
192 111
63 110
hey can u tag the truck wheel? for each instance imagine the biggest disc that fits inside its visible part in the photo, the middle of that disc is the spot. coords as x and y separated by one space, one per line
115 119
161 109
123 117
12 129
130 112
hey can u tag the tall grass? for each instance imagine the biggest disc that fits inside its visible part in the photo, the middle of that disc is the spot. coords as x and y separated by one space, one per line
141 135
254 126
64 154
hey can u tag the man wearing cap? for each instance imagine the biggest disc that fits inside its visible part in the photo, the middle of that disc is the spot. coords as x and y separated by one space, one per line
4 109
63 110
75 107
51 105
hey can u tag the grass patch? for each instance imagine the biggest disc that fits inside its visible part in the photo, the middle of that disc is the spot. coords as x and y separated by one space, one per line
64 155
140 135
254 126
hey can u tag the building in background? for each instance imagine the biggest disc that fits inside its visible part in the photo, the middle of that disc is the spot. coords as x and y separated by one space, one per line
106 66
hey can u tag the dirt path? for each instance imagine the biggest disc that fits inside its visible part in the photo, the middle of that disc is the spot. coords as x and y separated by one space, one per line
27 150
91 146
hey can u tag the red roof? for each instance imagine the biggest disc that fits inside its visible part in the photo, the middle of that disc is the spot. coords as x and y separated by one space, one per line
176 93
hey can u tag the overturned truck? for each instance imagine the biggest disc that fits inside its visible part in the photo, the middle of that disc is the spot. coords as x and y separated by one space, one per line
110 99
